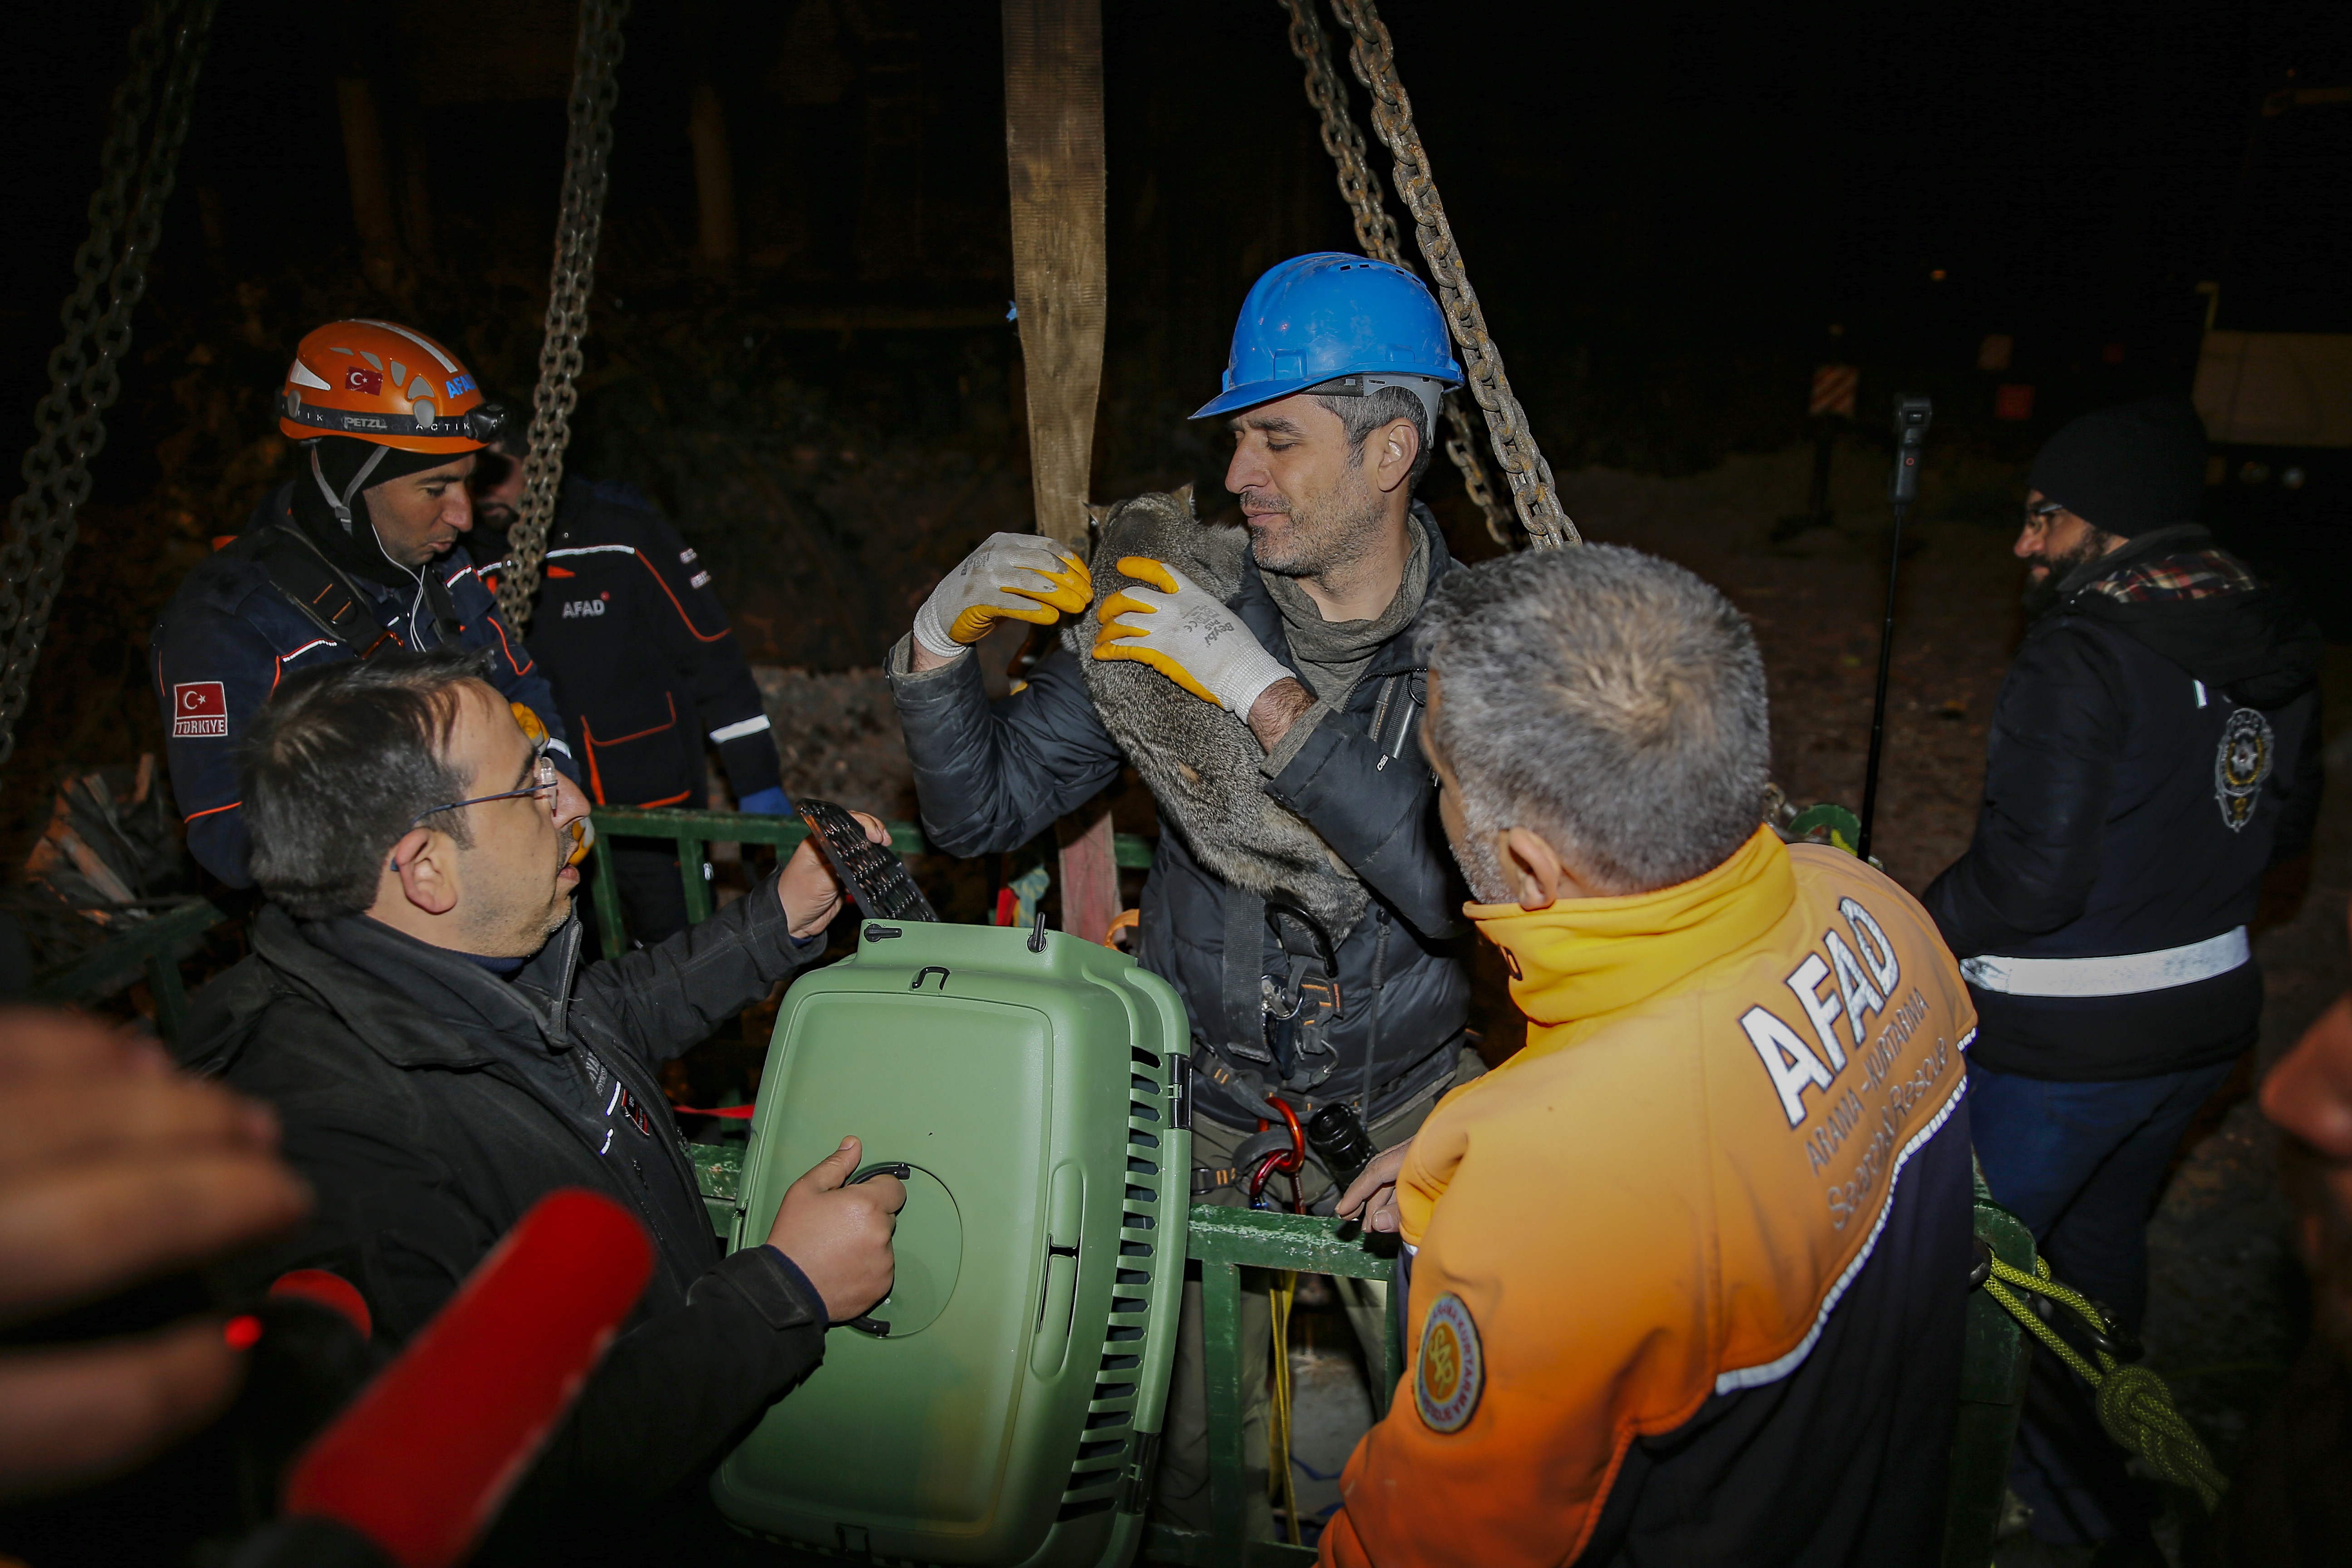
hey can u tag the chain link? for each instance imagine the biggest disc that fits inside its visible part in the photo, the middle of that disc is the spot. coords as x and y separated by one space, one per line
1530 478
587 169
1376 233
126 218
1376 229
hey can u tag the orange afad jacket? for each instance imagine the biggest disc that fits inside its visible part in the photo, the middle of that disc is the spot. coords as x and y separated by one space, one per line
1687 1251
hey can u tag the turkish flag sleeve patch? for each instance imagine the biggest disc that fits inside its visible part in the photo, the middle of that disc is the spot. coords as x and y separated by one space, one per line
199 708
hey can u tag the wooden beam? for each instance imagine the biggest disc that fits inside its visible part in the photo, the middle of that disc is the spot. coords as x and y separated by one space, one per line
1053 157
364 165
714 180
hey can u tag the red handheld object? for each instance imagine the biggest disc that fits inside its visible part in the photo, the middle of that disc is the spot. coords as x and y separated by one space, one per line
330 1291
424 1456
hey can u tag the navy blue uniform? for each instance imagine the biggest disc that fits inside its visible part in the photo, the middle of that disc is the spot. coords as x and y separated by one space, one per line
630 634
632 638
230 635
2155 751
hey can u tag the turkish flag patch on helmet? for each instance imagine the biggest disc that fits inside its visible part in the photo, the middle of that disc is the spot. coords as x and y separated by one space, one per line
199 708
360 379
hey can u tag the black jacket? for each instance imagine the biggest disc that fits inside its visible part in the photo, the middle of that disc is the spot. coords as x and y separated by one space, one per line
992 775
430 1103
630 633
2107 826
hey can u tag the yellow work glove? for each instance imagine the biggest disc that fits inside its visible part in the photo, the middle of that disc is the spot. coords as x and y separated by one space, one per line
1012 576
1185 633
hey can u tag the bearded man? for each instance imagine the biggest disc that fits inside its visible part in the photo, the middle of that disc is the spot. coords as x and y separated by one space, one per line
2155 749
1301 631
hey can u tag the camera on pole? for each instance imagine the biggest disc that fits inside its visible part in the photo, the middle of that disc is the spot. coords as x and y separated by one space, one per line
1912 417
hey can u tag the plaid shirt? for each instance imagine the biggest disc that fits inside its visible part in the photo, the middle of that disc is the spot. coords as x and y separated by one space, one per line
2191 574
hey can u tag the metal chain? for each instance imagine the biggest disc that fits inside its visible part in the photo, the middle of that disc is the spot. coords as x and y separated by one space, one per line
126 218
1376 232
1376 229
1532 488
1461 448
587 168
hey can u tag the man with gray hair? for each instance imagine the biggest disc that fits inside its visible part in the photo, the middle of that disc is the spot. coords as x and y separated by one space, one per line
1728 1326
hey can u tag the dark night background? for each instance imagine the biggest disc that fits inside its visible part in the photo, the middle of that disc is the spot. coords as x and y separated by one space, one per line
1664 209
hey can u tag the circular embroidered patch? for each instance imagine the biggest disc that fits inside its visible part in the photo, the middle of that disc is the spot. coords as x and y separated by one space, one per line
2241 763
1453 1369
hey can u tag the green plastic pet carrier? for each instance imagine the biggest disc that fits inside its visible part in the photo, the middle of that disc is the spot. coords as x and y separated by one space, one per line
1003 1405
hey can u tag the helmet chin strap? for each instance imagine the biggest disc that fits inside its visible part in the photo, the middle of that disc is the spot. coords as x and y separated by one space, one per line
341 504
342 510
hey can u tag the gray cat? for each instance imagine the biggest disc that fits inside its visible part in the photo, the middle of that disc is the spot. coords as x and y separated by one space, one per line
1201 761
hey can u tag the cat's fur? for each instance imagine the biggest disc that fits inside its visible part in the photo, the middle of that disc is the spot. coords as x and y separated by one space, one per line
1201 761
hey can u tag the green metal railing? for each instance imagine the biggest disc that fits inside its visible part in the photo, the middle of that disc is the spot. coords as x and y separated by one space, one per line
1993 1364
694 831
1223 1241
1994 1360
151 944
1226 1240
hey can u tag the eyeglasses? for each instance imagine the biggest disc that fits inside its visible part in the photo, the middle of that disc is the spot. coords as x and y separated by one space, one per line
542 773
2039 516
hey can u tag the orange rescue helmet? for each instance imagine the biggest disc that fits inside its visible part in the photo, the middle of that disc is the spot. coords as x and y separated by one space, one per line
385 384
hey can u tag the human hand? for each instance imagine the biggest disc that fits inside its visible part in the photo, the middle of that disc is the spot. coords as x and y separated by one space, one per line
1370 1198
839 1236
115 1169
1185 633
809 887
1012 576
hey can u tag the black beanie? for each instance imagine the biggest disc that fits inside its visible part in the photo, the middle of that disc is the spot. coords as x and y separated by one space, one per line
341 457
2128 469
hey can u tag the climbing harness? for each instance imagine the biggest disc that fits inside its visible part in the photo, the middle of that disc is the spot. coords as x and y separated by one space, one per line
126 218
1302 1003
1532 489
2134 1403
587 169
1376 232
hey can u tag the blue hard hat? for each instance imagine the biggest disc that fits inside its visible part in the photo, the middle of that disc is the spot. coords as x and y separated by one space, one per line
1314 319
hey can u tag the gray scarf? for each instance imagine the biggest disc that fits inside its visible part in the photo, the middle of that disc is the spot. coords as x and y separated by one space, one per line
1332 655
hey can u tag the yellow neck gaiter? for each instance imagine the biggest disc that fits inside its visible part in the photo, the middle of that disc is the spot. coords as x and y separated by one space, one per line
1579 960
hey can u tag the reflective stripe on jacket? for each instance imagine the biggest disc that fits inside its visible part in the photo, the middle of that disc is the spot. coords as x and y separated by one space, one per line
2148 761
631 635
